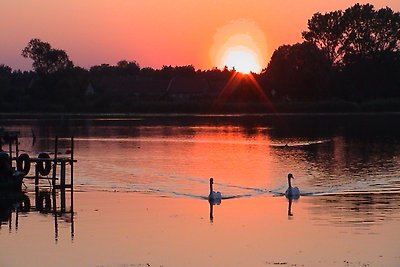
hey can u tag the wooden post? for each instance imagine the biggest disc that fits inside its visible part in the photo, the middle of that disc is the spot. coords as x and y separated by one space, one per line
10 150
56 227
54 175
62 185
9 220
16 219
16 147
72 176
36 185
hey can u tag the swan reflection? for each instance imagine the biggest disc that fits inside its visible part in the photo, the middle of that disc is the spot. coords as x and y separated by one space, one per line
291 193
212 203
290 200
214 198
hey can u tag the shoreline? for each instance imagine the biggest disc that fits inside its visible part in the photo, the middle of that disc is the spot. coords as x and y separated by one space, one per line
388 105
206 115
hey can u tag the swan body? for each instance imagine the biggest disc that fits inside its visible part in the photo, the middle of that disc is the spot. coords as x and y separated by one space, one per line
214 196
292 192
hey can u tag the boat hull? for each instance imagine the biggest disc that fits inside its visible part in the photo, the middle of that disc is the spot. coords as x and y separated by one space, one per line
11 183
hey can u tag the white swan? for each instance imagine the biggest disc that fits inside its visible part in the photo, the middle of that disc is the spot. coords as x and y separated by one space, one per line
214 197
292 192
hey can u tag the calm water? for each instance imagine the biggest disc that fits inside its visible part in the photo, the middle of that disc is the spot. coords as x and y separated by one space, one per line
246 155
346 166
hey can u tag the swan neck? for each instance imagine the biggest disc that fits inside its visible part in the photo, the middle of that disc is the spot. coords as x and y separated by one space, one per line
211 187
289 182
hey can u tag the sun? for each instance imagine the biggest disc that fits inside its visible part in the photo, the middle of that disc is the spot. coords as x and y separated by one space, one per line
242 59
241 45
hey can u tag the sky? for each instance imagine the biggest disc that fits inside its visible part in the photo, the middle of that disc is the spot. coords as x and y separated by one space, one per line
155 32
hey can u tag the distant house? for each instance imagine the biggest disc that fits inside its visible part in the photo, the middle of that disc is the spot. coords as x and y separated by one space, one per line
128 87
32 82
150 89
185 88
89 90
153 89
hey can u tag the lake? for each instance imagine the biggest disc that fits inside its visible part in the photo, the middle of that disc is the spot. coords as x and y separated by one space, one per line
142 181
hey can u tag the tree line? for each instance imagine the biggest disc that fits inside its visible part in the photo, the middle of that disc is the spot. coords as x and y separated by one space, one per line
350 55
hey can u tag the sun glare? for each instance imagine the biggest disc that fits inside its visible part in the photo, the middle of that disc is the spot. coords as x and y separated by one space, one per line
240 45
241 59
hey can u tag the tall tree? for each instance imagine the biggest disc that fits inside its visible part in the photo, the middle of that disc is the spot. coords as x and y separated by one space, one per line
5 79
301 71
45 58
325 30
128 67
358 32
5 70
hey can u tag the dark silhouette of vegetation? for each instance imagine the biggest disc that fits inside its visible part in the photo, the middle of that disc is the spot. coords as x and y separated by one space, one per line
46 59
358 32
356 57
349 61
123 67
299 71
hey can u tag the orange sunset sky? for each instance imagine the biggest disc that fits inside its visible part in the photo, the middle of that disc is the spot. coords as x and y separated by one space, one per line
157 33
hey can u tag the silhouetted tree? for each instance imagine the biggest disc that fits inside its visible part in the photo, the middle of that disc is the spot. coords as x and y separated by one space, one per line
5 70
358 32
5 81
12 88
299 71
123 68
324 30
128 67
369 33
102 70
46 59
369 77
147 72
169 71
187 71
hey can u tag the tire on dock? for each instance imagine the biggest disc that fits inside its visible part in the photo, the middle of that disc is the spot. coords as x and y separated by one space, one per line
24 163
44 167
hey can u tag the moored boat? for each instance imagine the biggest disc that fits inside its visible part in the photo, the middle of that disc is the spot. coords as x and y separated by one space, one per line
10 179
11 182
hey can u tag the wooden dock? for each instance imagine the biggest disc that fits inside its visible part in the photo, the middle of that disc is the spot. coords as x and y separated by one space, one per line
54 168
53 178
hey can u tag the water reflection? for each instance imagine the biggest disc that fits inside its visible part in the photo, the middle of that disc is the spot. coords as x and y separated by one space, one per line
250 154
11 203
20 203
290 200
213 202
290 213
359 210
